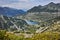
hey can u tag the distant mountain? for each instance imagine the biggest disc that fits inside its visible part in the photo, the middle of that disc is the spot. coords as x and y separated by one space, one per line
10 11
51 7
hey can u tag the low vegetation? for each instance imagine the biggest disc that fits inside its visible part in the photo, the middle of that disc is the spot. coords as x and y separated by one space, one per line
42 36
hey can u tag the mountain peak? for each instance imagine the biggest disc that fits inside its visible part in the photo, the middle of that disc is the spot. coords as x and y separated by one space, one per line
39 6
51 3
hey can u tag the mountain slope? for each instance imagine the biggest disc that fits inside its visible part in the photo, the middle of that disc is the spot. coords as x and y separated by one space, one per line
10 11
11 23
43 13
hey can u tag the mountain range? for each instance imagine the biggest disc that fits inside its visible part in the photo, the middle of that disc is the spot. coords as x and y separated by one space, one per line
51 7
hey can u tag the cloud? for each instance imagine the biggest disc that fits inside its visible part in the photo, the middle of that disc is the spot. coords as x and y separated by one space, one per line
19 4
56 1
24 0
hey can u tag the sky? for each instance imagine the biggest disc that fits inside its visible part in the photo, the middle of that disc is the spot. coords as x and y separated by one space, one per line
25 4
